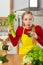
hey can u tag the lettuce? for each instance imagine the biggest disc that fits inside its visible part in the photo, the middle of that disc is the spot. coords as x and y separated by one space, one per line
36 54
11 18
3 59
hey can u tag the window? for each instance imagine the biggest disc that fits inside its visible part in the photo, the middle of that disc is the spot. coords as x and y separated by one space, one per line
34 4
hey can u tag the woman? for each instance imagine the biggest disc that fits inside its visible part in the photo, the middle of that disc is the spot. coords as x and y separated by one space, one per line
24 31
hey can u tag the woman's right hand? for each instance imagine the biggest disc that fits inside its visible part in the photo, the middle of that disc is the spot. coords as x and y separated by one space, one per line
9 29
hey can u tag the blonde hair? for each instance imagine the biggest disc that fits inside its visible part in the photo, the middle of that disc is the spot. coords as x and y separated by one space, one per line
26 12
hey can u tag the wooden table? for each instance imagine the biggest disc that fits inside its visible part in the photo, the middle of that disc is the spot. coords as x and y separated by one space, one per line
14 59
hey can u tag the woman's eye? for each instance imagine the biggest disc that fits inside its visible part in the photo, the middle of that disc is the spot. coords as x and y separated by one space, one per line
30 19
25 19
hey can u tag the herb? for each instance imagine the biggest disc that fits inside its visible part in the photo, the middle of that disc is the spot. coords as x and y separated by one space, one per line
29 34
3 59
35 56
11 18
5 47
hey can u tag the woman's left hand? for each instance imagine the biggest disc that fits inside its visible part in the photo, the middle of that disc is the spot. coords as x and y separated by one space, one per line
33 34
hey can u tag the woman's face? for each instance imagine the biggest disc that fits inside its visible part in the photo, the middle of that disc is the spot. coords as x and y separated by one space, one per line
28 20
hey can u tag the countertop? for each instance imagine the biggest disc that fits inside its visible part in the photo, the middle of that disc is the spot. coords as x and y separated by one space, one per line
14 59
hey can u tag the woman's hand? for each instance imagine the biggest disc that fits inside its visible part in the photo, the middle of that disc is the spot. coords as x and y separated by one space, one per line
9 29
33 34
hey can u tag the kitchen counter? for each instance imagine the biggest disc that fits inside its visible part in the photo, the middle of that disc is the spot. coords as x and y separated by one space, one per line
14 59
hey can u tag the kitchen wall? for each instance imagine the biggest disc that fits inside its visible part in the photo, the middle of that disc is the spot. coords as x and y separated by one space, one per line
38 20
41 4
21 4
4 8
